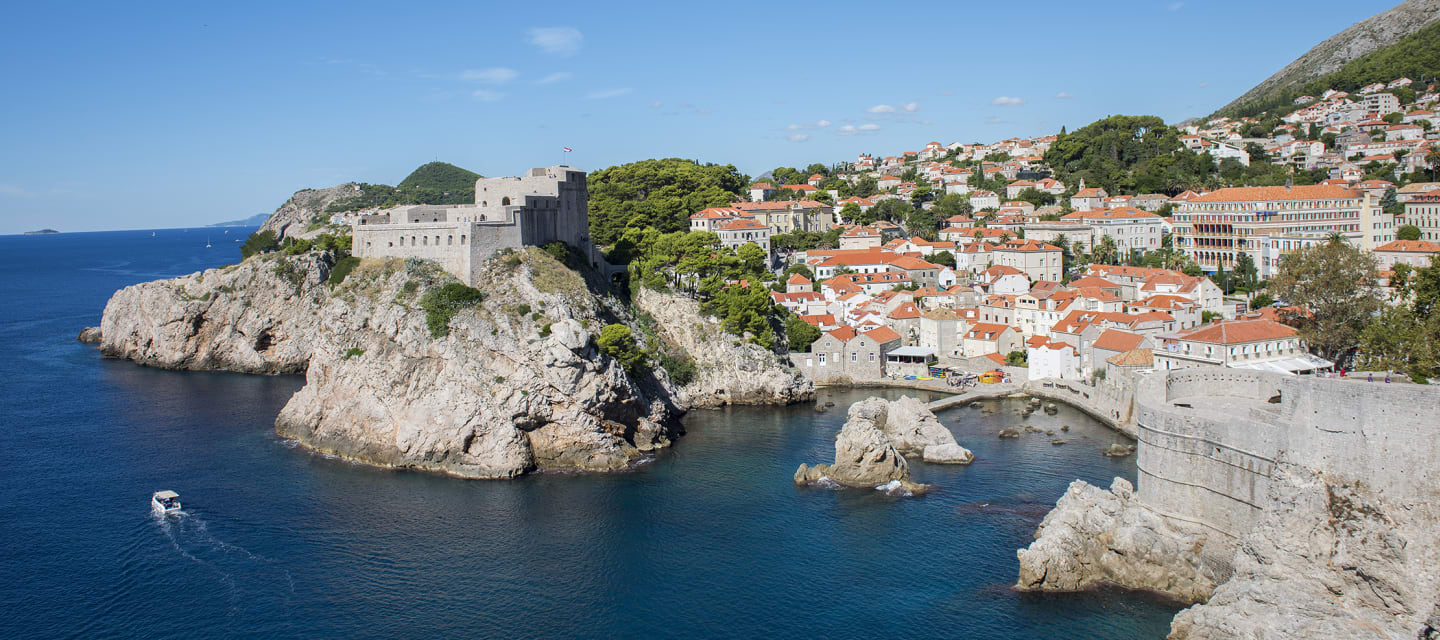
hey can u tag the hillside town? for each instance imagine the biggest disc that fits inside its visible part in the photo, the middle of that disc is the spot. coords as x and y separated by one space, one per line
969 257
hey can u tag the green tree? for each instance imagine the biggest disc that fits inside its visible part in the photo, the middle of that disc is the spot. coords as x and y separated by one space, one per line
922 222
258 243
850 212
658 193
1389 202
1335 283
617 341
1017 359
799 334
1105 251
1261 300
944 259
753 259
1407 232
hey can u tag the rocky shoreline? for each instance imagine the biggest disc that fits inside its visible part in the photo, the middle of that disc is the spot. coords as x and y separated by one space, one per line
516 385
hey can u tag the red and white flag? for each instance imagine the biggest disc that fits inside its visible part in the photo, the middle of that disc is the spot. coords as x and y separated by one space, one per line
568 149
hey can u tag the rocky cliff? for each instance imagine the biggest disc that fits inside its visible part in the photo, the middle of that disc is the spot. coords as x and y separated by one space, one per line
728 370
304 208
1330 559
517 384
1095 537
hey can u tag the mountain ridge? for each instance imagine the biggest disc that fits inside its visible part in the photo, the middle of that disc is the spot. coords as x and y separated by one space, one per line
1362 38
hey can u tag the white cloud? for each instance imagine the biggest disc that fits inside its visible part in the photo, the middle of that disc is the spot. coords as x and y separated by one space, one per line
655 105
1175 6
823 123
12 190
607 93
869 127
486 95
1007 101
493 75
560 41
1063 95
555 77
910 107
795 127
798 137
846 130
881 108
993 121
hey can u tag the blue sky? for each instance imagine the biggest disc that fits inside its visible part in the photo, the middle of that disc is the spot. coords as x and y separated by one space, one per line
141 115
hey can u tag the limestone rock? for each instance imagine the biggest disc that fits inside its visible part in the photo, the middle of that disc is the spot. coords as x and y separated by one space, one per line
864 456
307 206
948 454
89 335
1096 537
1009 433
1118 450
726 372
913 429
1327 560
493 399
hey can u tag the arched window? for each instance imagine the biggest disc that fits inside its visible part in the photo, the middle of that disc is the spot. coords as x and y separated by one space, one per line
449 240
462 239
402 241
484 203
505 202
425 240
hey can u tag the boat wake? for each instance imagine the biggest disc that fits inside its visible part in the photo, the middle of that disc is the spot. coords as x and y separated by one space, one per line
249 581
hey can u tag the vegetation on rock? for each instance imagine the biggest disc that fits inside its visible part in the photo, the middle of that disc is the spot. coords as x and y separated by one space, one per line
442 304
658 193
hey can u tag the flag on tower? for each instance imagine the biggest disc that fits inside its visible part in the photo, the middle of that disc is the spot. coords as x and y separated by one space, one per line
568 149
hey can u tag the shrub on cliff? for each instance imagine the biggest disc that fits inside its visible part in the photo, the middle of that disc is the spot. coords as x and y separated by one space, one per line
617 341
442 304
259 242
342 269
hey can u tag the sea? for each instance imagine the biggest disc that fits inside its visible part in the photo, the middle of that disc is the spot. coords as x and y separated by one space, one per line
709 539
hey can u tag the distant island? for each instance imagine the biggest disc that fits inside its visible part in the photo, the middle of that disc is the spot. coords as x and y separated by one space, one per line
42 232
251 221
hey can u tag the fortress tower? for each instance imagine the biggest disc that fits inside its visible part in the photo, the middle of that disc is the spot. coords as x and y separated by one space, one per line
545 205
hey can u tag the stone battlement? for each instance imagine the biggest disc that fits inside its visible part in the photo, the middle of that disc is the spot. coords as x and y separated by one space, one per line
548 204
1210 438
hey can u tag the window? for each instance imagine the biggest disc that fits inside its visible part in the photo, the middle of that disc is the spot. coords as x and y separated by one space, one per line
872 356
449 240
822 359
462 239
854 355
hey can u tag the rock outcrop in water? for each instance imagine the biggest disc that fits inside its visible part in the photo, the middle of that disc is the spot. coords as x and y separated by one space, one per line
728 369
870 449
518 383
1327 560
864 456
1095 537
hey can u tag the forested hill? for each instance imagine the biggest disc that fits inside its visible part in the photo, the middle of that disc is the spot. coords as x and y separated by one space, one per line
442 182
1399 42
432 183
658 193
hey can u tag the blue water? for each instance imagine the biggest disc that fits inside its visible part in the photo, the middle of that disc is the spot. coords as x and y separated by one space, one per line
711 539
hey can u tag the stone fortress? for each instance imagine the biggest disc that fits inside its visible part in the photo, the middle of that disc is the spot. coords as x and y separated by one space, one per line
545 205
1294 504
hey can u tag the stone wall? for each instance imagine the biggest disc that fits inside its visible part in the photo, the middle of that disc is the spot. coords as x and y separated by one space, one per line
1210 439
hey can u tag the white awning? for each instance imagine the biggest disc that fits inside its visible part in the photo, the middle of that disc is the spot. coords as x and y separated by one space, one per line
1291 366
911 351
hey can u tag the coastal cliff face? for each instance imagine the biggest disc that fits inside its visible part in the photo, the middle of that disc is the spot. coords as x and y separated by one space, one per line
728 370
1328 560
1095 537
296 215
518 383
258 317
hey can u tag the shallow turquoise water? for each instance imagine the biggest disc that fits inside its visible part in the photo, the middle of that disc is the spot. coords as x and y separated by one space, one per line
710 539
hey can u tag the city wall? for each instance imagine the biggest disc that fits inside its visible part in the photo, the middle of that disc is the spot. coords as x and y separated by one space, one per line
1210 437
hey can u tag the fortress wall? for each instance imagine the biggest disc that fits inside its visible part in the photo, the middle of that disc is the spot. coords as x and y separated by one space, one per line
1210 462
449 244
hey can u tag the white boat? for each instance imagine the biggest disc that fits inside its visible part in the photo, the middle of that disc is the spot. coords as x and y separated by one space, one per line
165 502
